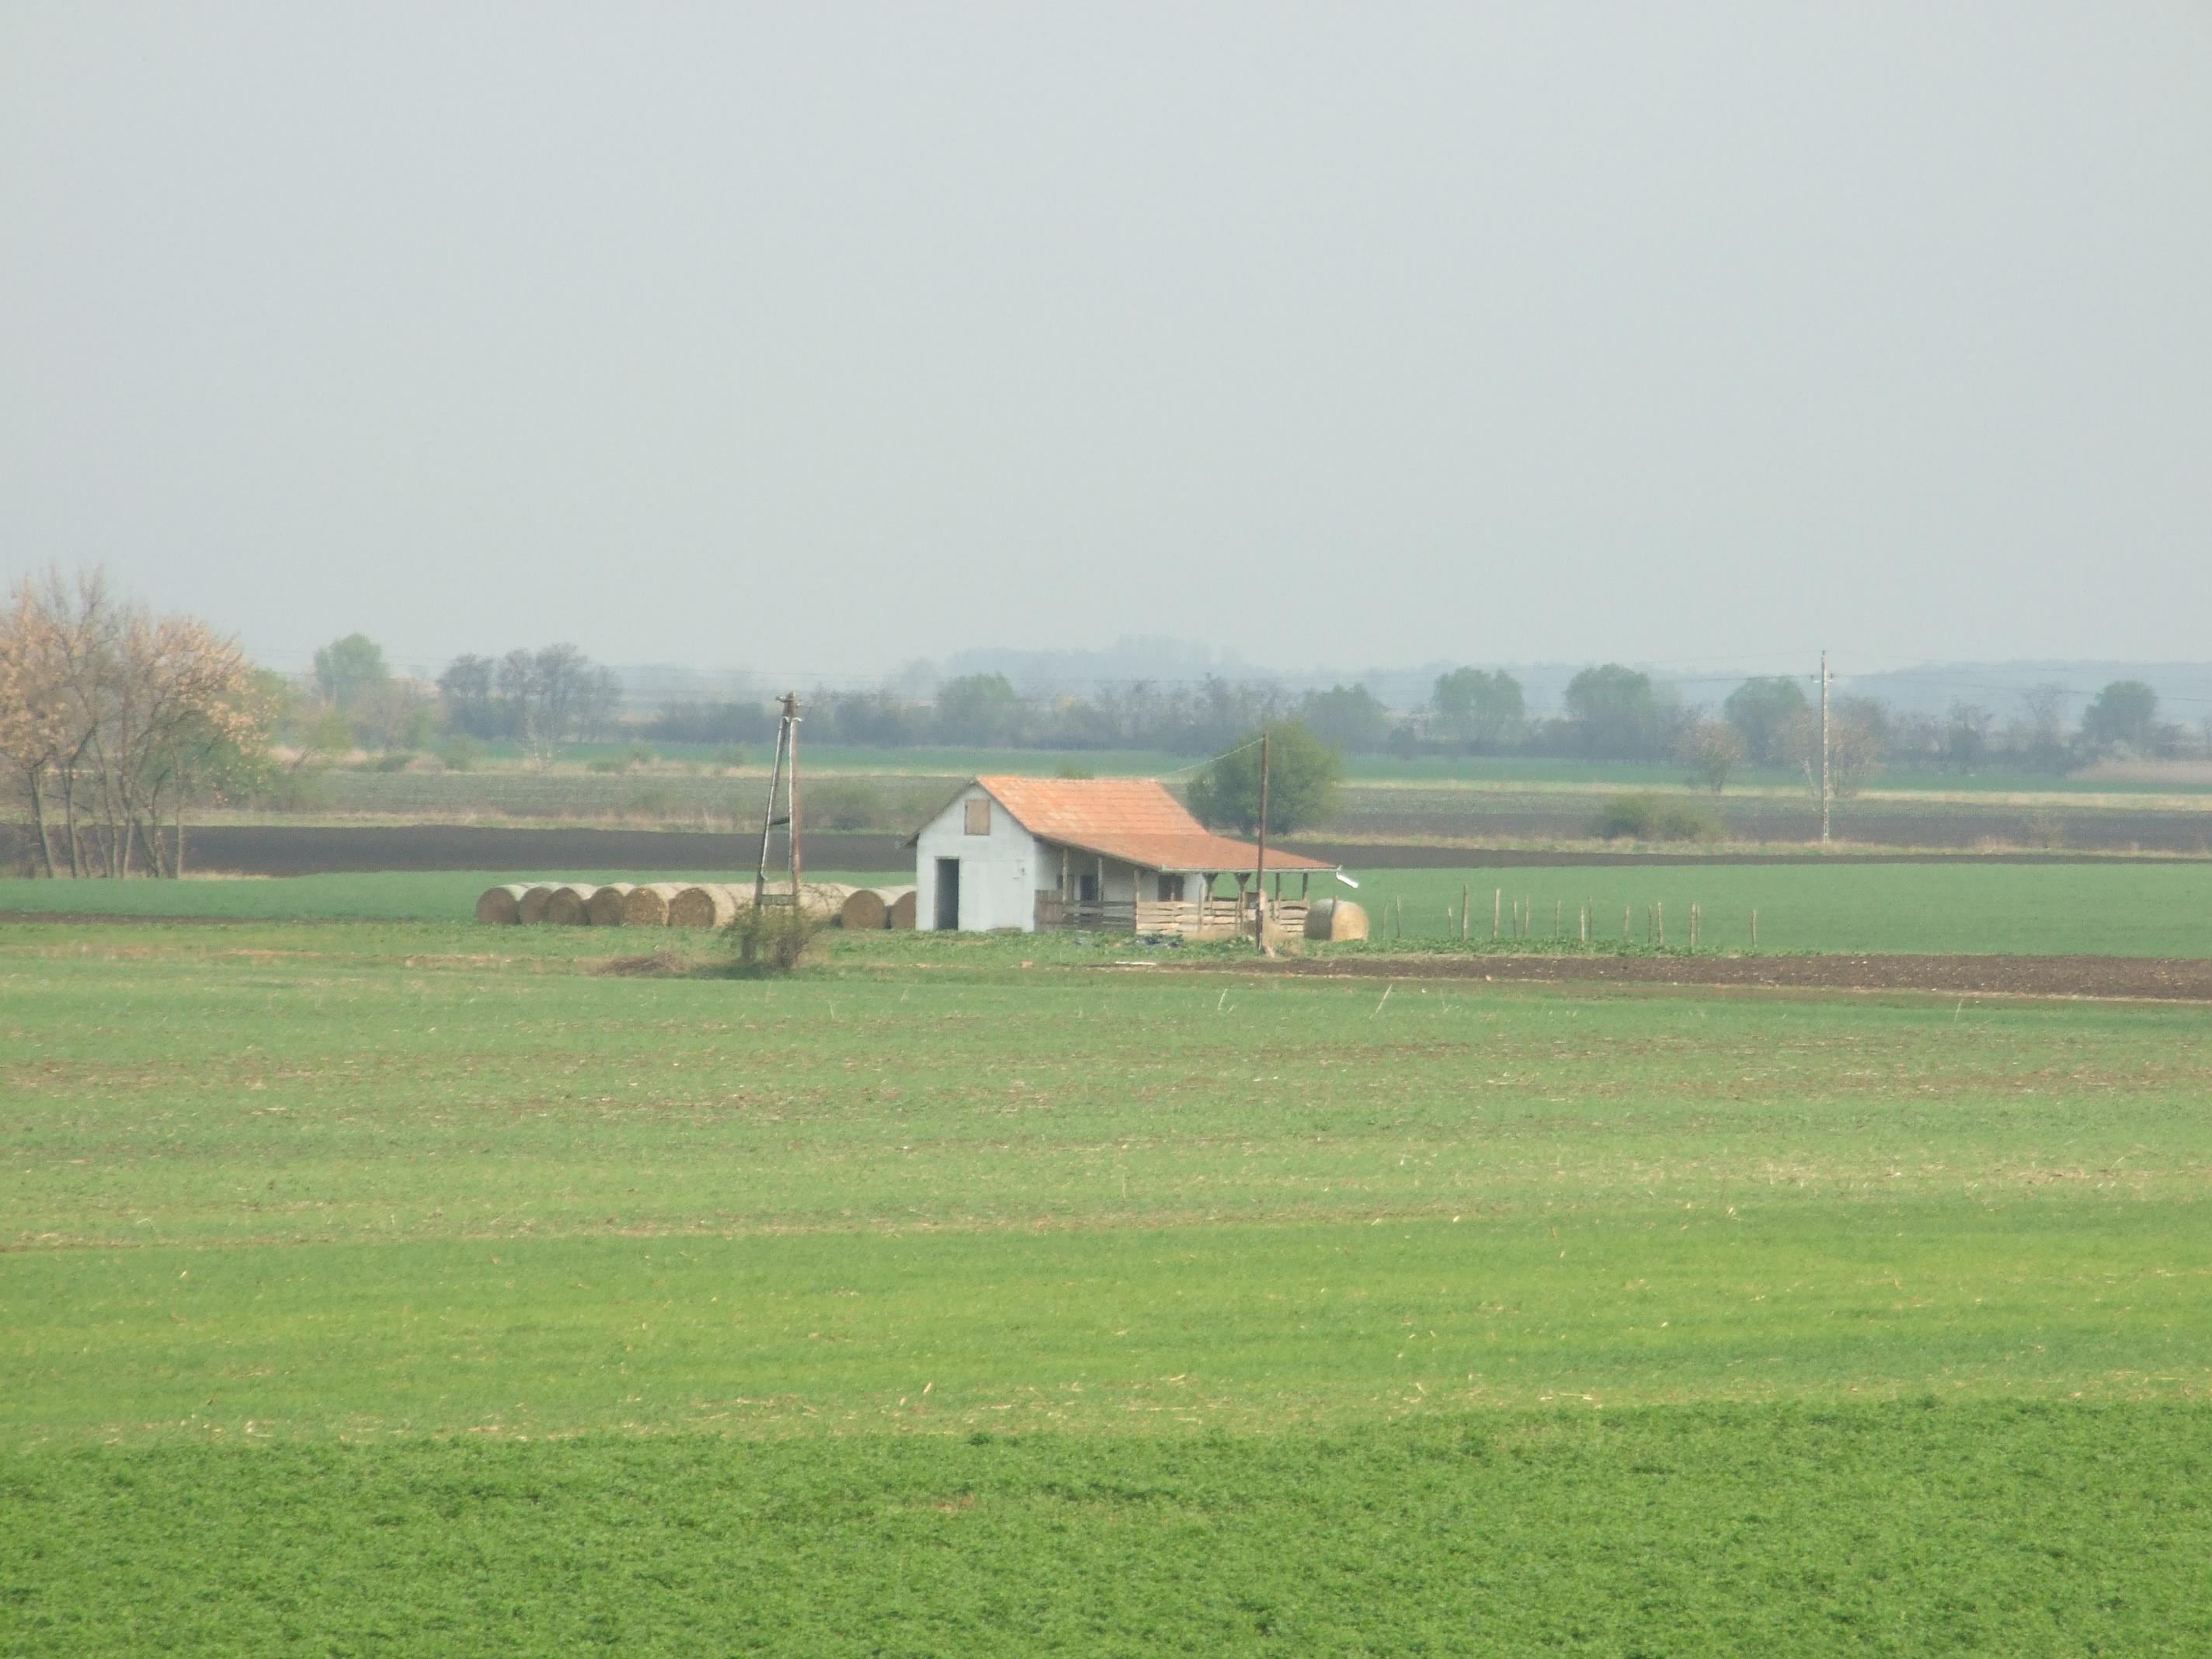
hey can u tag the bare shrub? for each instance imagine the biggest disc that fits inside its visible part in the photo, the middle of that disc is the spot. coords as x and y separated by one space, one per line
1654 817
775 936
1712 751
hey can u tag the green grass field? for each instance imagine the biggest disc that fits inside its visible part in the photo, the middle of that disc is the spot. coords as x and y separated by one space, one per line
2148 909
375 896
402 1287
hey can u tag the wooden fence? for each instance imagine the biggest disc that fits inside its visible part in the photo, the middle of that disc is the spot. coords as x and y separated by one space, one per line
1213 918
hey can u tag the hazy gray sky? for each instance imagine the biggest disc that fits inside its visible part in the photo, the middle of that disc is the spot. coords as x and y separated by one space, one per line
815 339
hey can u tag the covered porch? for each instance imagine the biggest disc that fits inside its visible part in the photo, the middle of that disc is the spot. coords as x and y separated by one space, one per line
1101 894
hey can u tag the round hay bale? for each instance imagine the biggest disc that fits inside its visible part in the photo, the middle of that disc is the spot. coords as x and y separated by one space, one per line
502 906
605 909
647 906
1335 919
531 910
825 900
902 910
570 906
865 912
706 904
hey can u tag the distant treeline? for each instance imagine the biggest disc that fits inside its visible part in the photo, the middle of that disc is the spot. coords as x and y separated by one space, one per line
1611 712
984 711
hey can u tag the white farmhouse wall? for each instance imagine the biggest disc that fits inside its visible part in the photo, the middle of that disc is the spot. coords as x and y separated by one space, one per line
1116 883
999 874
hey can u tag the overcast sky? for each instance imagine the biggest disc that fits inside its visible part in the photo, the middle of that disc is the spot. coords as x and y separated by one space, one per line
818 337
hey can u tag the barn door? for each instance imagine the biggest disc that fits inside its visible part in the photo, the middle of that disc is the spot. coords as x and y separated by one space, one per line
948 895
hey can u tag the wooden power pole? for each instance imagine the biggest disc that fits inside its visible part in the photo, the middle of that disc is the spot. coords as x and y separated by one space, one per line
1824 748
790 796
769 818
786 748
1259 882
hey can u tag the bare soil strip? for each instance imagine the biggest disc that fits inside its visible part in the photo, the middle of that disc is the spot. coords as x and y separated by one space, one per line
2168 979
311 849
1380 855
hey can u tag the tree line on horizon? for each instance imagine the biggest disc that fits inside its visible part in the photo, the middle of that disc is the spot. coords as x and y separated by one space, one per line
115 719
1610 712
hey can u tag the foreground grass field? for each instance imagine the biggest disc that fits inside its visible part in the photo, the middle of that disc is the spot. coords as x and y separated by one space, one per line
933 1302
1998 1528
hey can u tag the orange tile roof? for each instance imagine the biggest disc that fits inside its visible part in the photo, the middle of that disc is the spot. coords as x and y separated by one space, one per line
1133 820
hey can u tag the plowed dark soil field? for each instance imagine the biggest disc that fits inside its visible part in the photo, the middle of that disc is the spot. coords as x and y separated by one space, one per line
2171 981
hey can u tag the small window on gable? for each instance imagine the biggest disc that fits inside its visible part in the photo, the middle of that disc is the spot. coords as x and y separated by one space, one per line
979 816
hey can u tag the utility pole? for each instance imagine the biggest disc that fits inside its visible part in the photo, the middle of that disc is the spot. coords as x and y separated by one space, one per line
787 746
1259 882
1824 748
791 723
768 819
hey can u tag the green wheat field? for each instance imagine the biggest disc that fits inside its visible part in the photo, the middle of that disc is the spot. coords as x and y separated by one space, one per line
2150 908
403 1287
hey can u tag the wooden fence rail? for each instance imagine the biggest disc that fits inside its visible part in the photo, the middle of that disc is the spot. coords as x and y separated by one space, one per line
1215 918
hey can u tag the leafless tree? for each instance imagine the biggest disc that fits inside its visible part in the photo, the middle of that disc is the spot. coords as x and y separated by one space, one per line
115 715
1712 751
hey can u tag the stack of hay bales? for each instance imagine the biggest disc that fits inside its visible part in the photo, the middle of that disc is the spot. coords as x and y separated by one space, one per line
569 904
680 904
531 910
1335 919
502 906
825 900
646 906
870 909
707 904
605 909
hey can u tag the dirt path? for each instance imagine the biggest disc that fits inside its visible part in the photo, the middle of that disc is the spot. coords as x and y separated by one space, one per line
2164 980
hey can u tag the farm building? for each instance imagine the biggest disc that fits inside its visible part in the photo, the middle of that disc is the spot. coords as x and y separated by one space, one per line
1118 854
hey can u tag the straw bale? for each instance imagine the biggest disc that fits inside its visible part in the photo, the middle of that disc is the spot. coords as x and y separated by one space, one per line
902 909
605 909
570 906
825 900
1335 919
705 904
502 906
531 910
647 906
865 912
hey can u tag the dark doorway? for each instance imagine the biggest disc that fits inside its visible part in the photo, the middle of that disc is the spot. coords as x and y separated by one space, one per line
948 895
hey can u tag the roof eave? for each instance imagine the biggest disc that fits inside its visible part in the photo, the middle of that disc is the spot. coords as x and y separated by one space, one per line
1311 867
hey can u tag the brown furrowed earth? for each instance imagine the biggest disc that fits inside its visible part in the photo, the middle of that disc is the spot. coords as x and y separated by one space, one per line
2125 977
315 849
